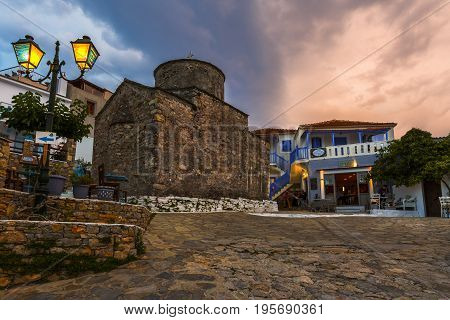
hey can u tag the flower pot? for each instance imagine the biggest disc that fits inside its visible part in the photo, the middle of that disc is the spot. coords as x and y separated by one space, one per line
81 191
56 185
105 193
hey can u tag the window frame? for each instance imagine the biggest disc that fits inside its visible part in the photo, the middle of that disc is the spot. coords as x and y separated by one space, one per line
283 149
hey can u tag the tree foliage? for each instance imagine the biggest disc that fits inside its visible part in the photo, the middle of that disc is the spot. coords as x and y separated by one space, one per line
416 157
28 114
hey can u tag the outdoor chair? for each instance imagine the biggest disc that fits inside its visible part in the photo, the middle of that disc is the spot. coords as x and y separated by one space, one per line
109 180
375 201
445 207
406 203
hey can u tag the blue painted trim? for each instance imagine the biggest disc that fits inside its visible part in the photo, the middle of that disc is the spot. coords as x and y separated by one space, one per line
360 136
332 138
307 138
387 135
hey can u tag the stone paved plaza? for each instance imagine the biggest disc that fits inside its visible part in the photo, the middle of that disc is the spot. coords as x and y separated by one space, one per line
240 256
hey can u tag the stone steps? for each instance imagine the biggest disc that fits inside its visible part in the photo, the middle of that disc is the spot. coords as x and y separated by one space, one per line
279 193
350 209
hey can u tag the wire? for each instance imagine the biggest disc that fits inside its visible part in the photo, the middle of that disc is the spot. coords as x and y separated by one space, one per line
54 37
399 35
9 68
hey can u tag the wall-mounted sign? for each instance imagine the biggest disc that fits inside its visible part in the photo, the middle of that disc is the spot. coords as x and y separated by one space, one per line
43 137
318 152
348 164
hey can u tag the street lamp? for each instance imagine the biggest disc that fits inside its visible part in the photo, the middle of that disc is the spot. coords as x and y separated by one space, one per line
29 55
85 53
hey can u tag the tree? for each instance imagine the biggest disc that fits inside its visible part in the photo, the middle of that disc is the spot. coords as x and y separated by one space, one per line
414 158
27 115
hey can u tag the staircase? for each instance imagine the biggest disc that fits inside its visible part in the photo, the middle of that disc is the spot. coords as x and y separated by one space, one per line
280 185
283 183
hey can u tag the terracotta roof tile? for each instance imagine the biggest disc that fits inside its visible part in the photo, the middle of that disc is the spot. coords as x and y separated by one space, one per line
346 124
269 131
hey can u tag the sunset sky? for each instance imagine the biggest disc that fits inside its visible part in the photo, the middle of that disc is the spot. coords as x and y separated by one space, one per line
274 53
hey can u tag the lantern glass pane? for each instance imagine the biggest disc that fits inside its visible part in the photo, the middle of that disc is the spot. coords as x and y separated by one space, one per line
22 52
35 56
80 51
82 65
92 57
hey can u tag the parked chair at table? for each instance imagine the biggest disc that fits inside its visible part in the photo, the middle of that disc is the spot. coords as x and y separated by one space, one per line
375 201
112 181
445 207
407 203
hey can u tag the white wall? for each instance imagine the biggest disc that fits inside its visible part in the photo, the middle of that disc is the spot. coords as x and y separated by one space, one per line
10 87
445 192
84 149
414 191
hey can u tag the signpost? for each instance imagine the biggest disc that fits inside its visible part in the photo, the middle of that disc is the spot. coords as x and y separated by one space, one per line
43 137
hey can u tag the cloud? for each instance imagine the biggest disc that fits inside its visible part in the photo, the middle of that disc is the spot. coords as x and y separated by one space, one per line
407 82
273 52
67 22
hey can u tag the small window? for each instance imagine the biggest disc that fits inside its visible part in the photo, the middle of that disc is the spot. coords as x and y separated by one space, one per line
286 146
90 107
316 142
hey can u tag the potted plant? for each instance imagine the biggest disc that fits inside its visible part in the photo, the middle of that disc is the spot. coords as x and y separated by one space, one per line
56 179
81 185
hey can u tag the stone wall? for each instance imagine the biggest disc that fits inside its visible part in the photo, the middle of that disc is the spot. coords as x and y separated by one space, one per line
185 73
166 143
4 158
185 204
28 248
12 203
16 205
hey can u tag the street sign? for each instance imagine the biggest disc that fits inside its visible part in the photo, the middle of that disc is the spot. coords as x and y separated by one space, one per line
43 137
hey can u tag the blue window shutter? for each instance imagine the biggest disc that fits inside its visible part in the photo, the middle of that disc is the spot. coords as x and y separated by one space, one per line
286 146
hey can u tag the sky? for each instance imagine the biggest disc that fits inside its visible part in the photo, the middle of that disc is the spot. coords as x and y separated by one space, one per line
278 55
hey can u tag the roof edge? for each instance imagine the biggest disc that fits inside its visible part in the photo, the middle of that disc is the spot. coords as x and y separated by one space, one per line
186 60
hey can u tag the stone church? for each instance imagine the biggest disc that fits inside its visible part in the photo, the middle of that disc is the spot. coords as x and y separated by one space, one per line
180 137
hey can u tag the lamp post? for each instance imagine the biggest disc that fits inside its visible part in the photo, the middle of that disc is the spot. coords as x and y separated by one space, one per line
29 56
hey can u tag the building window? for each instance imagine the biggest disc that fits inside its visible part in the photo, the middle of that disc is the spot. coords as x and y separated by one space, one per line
316 142
340 141
329 185
90 107
286 146
363 182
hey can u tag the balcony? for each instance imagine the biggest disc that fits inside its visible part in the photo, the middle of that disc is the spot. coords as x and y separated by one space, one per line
348 150
299 154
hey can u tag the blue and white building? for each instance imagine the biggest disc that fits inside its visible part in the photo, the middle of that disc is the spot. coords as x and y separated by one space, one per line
327 160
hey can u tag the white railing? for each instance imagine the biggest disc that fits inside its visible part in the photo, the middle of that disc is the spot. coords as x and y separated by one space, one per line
349 150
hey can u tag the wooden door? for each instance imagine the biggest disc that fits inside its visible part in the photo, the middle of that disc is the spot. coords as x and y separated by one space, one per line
432 191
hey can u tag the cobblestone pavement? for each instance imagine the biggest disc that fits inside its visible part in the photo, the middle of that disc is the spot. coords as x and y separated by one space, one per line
239 256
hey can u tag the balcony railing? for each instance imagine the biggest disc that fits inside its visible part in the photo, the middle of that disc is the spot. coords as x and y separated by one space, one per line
279 161
279 183
299 153
348 150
